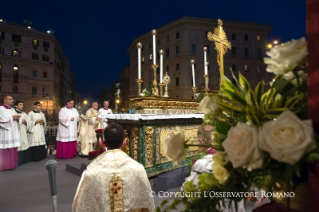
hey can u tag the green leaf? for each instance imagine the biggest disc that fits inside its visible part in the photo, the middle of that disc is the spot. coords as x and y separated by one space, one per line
290 103
227 84
244 82
312 157
259 91
234 95
239 85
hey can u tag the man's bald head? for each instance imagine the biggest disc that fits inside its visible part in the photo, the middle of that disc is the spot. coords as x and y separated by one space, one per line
106 104
95 105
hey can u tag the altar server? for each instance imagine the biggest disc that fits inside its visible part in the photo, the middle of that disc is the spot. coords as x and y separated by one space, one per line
9 135
88 124
67 132
114 181
105 110
24 152
36 134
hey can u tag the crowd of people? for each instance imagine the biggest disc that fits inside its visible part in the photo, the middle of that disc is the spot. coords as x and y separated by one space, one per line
22 135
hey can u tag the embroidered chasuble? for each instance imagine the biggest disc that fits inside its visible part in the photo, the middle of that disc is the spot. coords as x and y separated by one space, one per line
113 182
36 131
87 126
23 129
9 134
105 111
67 130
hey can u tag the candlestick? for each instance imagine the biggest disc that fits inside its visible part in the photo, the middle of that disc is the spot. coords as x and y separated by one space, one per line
161 67
154 46
193 72
161 88
206 84
167 80
139 82
205 59
154 89
194 89
139 46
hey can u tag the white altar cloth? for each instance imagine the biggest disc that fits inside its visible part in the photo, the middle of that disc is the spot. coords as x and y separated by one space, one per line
136 117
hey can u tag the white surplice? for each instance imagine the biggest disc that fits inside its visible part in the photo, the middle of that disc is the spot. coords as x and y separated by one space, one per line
67 130
23 131
9 132
104 111
36 132
113 182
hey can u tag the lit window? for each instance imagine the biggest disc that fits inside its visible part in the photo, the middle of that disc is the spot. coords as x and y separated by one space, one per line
35 42
258 38
15 74
142 59
246 68
15 53
151 56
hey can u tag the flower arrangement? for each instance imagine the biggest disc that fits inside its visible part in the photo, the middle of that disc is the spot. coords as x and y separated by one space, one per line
146 92
262 139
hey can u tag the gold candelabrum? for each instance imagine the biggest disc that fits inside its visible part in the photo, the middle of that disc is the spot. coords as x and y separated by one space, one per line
161 89
206 84
139 82
194 89
154 89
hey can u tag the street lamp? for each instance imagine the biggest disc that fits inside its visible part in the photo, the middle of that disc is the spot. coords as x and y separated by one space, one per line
85 102
269 46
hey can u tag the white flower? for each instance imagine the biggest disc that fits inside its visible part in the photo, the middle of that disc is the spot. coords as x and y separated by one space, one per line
206 105
175 150
142 94
220 173
241 146
291 76
220 158
286 57
288 138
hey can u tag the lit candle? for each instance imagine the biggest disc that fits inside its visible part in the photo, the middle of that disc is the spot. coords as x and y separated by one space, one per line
205 59
193 72
154 46
139 46
161 67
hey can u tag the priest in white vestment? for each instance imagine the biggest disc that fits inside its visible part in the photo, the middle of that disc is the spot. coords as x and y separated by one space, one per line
9 135
36 133
87 126
105 110
114 181
24 152
67 132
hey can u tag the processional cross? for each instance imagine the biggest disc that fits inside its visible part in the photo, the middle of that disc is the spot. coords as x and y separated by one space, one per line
221 45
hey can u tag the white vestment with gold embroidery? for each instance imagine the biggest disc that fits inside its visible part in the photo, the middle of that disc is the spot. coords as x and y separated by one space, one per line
88 125
113 182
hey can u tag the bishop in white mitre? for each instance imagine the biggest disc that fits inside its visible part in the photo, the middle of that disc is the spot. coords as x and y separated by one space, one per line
114 181
9 135
87 126
24 152
104 111
36 133
67 131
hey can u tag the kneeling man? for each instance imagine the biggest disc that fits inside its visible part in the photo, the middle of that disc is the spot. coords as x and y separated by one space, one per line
113 181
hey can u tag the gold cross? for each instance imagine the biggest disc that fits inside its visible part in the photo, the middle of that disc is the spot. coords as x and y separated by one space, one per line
221 45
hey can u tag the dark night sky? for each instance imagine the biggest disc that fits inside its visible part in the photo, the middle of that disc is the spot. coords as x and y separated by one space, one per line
95 34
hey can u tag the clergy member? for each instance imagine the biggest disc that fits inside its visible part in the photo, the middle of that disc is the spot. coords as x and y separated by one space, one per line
88 124
24 152
105 110
113 181
36 134
9 135
67 131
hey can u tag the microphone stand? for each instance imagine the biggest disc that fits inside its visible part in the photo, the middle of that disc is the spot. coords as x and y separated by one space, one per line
51 167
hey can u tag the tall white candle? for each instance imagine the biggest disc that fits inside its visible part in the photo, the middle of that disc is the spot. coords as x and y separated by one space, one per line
154 46
206 68
193 72
205 59
161 67
139 46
